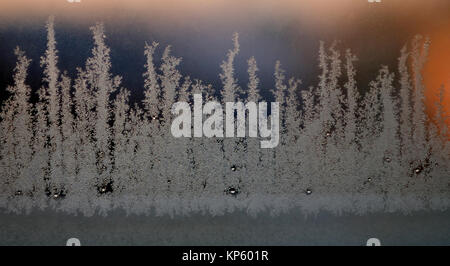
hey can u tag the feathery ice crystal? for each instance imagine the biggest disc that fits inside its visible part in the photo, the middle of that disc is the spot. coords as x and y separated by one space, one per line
79 149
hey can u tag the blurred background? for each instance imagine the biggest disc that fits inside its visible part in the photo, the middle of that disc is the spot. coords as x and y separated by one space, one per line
201 30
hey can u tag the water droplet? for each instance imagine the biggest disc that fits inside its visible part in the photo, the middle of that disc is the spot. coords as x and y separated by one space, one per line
369 179
107 188
56 194
169 181
387 159
232 191
233 168
418 170
308 191
18 192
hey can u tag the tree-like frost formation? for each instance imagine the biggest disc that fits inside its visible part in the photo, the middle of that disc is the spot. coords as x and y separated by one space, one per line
81 148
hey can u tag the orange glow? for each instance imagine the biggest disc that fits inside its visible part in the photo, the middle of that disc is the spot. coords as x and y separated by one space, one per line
437 70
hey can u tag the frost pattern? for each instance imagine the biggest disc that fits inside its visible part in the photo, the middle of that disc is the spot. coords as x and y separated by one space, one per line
81 148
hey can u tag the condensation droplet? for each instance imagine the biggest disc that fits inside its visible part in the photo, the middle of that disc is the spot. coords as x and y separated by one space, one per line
232 191
106 188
